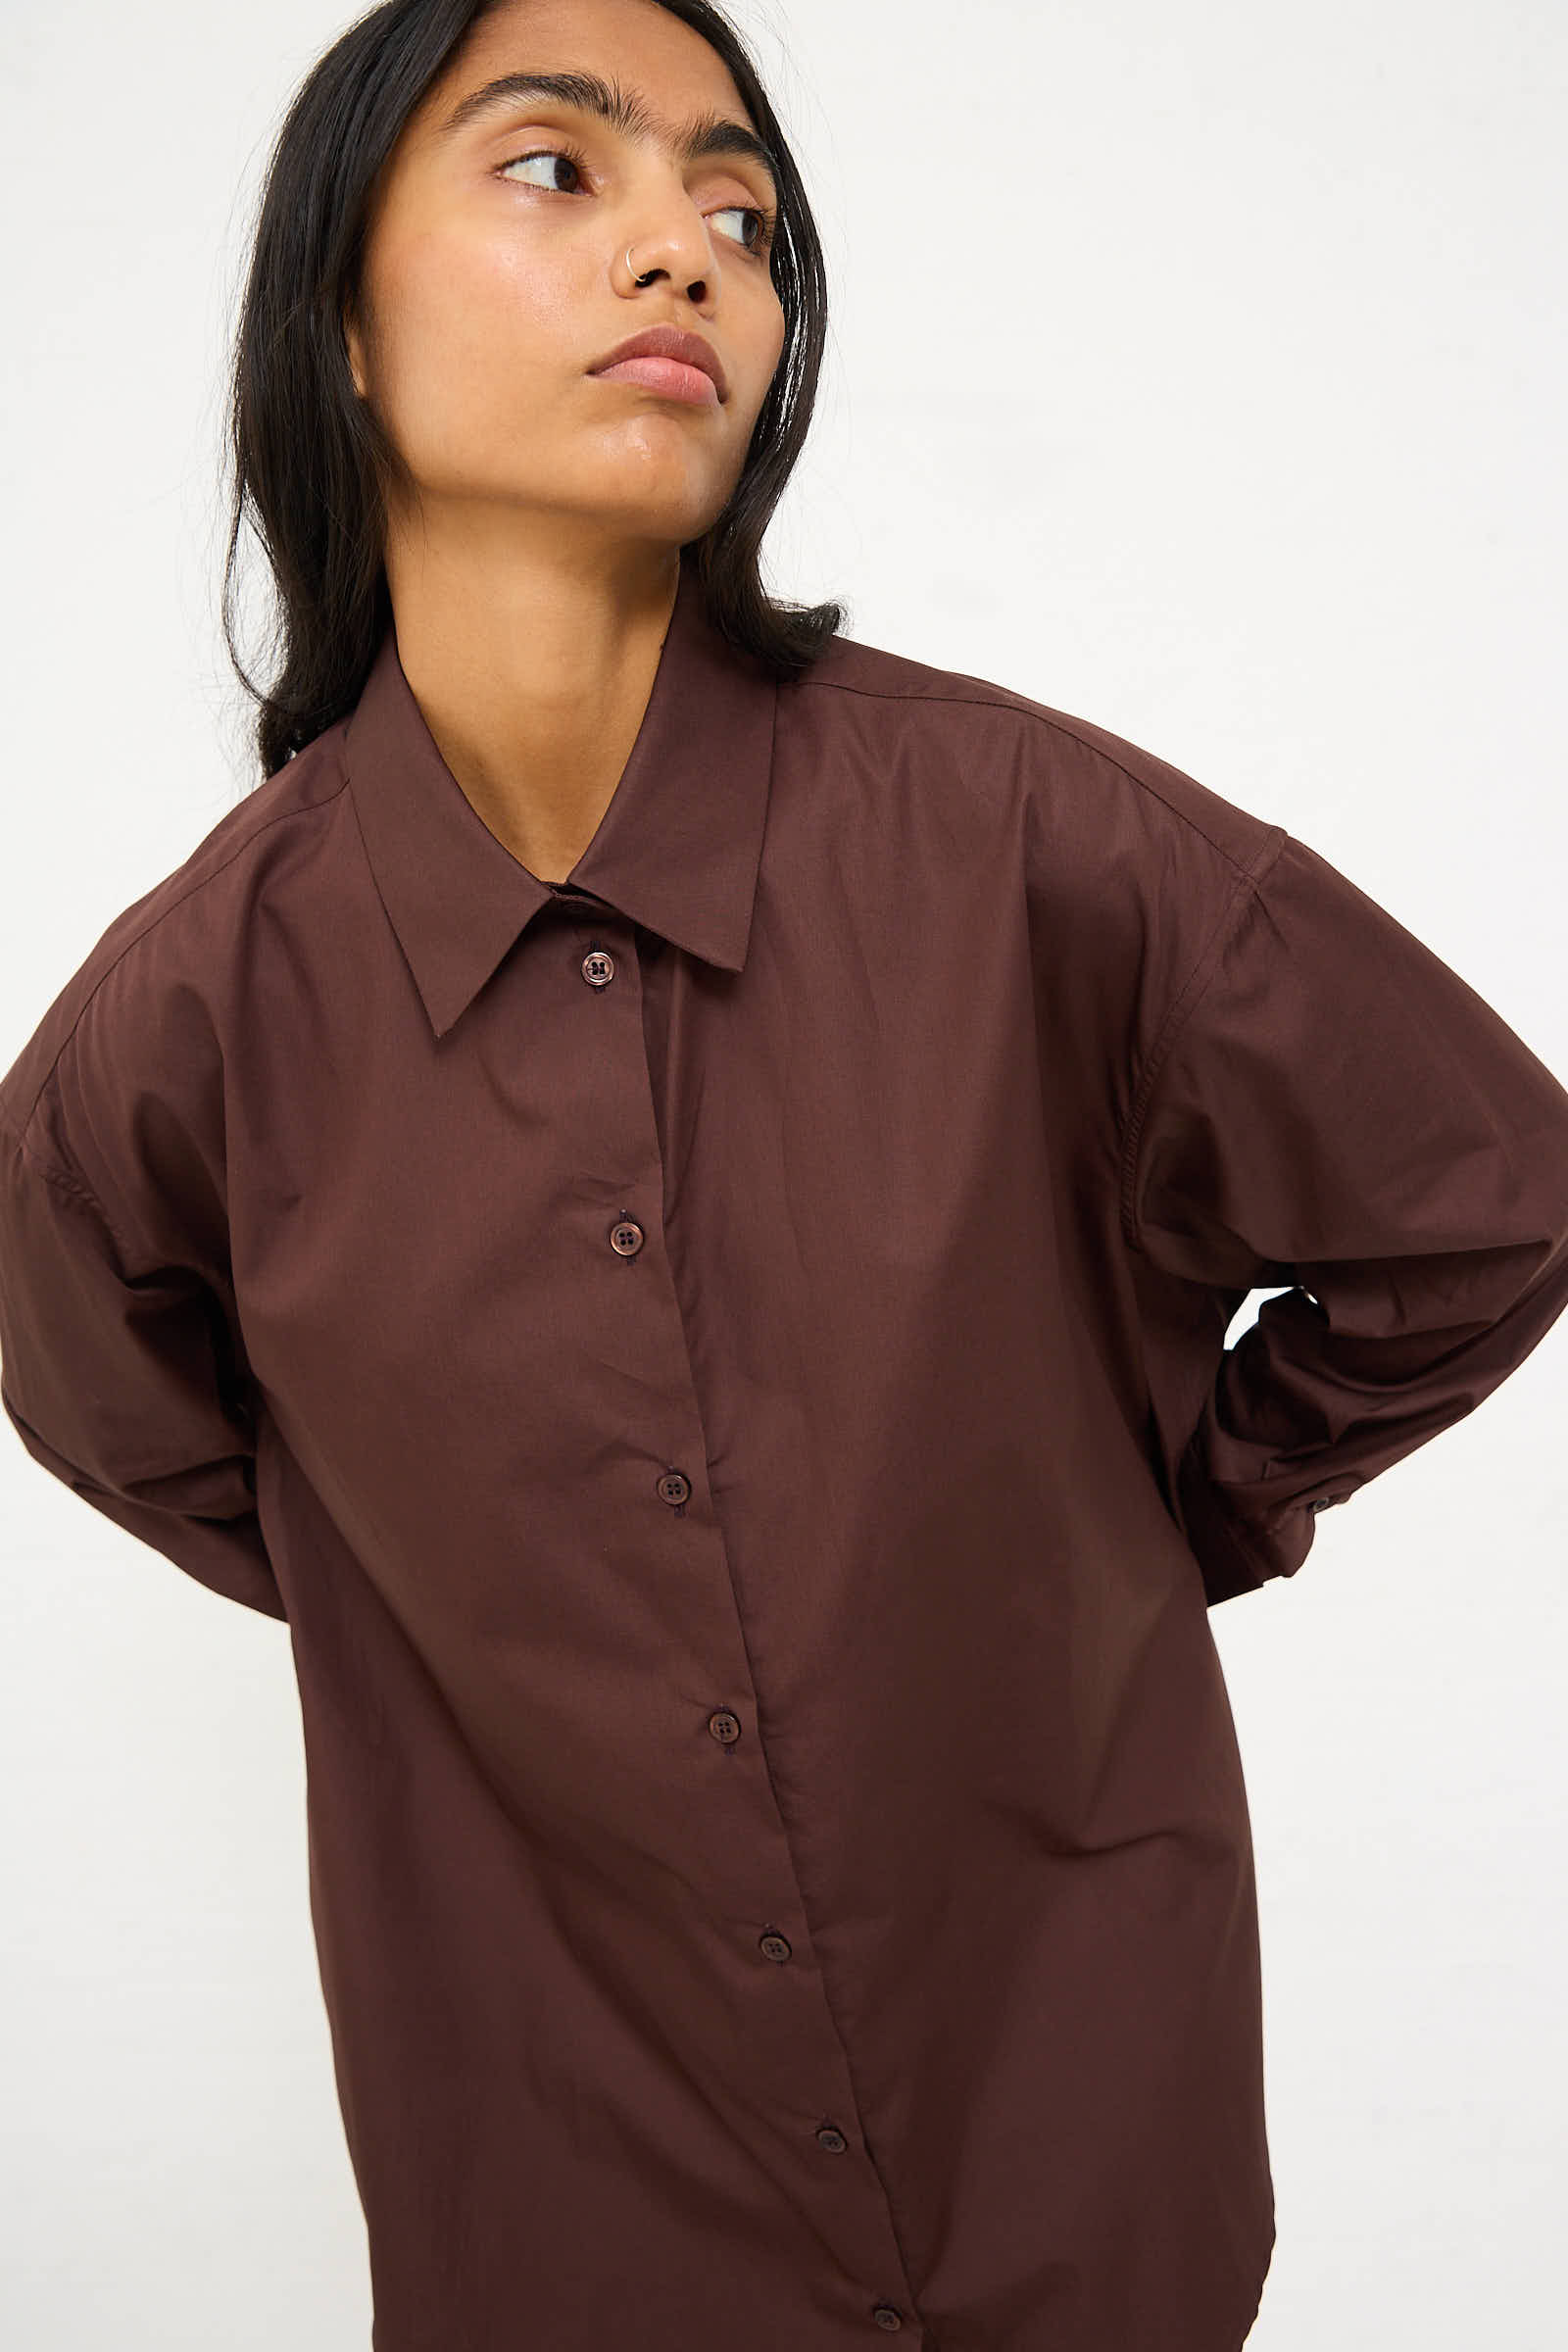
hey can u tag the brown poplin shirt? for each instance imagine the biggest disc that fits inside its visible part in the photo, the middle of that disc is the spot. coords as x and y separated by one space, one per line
721 1367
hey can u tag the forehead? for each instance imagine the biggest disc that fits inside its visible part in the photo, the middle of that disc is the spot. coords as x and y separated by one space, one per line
668 74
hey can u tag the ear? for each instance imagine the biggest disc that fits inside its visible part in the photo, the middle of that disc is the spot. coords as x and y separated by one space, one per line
355 348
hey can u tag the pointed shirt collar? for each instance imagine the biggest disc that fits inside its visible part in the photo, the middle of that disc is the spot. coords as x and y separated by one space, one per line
676 850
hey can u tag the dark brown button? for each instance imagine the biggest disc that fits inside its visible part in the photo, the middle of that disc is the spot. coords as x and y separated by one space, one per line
674 1487
725 1725
626 1237
828 2136
1320 1502
598 968
886 2316
774 1945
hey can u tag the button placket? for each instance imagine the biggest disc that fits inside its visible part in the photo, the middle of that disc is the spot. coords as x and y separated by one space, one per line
627 1237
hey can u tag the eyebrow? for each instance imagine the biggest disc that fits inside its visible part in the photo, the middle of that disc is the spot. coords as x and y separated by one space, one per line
625 110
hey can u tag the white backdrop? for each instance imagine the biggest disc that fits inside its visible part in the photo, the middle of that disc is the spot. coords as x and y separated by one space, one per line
1199 371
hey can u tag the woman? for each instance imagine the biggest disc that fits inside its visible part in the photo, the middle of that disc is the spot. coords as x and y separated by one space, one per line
668 1192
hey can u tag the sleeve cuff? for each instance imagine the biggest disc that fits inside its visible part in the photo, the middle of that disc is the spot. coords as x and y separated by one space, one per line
1236 1557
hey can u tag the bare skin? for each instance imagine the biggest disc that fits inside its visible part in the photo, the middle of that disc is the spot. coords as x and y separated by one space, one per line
533 578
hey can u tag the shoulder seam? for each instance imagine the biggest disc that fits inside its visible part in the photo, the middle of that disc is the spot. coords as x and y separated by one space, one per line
154 922
65 1180
1249 879
1004 698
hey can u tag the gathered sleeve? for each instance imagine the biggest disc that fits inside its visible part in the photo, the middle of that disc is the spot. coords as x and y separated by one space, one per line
1329 1108
118 1374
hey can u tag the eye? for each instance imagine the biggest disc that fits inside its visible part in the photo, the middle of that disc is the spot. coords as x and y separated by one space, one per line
547 155
767 224
760 243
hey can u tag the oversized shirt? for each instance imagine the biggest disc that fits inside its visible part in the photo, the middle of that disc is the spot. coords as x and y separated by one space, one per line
721 1365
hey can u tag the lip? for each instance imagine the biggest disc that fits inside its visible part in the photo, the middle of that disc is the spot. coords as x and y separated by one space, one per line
666 343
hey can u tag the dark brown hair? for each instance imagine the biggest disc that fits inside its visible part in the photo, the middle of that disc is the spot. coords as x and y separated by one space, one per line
309 456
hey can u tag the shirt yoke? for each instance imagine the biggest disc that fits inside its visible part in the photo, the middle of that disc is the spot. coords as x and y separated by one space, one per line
1233 832
305 786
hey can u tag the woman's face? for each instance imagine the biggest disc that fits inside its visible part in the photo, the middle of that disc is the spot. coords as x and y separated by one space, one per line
496 284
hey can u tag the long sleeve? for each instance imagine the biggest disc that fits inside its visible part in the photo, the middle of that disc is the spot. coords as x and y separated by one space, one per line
119 1380
1331 1107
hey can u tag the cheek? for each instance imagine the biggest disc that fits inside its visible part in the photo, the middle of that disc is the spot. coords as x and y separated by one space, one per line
767 348
477 313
